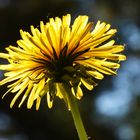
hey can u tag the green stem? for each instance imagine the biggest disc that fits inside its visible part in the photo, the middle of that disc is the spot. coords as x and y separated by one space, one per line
75 112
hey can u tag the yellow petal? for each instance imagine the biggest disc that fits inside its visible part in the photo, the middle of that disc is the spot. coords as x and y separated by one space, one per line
108 64
59 94
108 49
30 86
21 85
50 102
14 77
96 74
66 20
18 94
4 55
38 100
31 96
43 28
86 84
79 93
77 31
53 39
122 57
40 87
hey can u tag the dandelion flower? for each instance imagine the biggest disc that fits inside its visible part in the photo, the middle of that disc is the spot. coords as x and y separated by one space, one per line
60 55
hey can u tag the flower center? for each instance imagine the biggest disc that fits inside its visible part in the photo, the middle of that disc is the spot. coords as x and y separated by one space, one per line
62 66
56 66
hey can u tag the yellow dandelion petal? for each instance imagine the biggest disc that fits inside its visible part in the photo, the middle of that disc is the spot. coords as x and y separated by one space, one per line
4 55
13 77
86 84
40 87
77 31
47 46
53 39
58 23
99 30
96 74
24 45
43 28
31 96
97 65
59 94
66 20
49 101
23 86
29 88
81 37
38 101
78 93
9 90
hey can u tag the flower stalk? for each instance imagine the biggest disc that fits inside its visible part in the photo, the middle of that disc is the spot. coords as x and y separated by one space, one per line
72 105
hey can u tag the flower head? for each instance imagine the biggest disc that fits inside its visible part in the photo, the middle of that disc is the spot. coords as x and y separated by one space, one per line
58 53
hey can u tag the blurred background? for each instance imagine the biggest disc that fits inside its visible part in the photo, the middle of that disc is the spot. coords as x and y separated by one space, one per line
112 110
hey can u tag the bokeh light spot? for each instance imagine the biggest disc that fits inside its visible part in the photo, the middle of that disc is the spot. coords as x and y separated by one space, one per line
4 3
125 132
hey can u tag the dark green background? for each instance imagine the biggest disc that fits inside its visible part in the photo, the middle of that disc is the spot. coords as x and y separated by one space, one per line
112 110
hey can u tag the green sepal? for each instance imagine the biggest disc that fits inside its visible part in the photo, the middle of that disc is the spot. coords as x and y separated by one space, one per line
66 78
52 89
70 69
